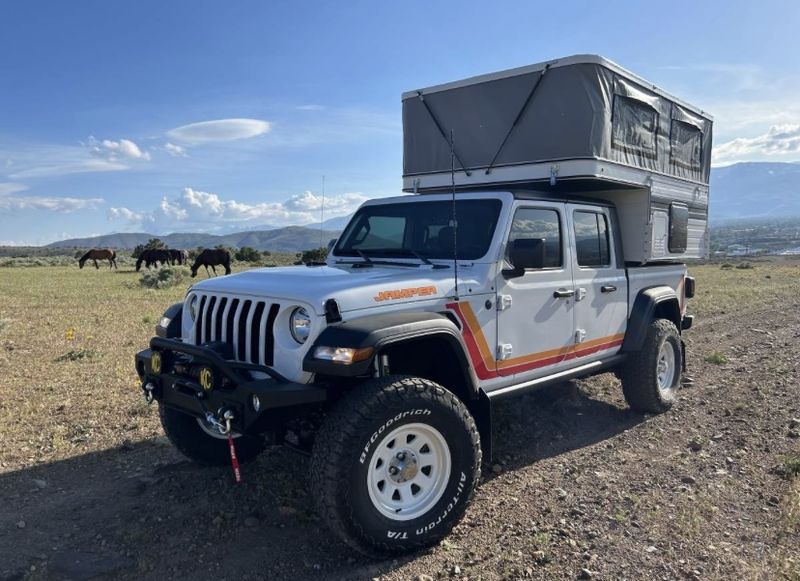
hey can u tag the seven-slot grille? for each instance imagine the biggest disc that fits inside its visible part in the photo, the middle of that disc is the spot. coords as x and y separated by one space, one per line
245 324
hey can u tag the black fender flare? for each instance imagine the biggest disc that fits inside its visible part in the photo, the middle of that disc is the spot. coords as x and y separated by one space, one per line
383 330
661 301
174 314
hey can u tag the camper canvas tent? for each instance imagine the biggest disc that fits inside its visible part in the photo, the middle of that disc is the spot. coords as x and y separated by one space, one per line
580 125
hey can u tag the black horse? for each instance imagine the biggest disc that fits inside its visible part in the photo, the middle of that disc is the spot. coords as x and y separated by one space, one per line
212 257
152 257
178 256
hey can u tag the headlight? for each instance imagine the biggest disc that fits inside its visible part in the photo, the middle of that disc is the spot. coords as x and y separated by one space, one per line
343 355
300 325
193 307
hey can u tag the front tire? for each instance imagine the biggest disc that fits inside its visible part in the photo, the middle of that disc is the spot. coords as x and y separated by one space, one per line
199 445
651 377
395 465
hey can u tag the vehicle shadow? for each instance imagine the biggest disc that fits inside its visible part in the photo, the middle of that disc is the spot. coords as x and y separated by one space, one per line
556 420
141 511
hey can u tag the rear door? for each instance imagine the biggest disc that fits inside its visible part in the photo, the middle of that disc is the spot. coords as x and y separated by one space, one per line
535 317
601 292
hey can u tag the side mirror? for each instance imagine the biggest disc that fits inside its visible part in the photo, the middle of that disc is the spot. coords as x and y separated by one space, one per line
525 253
331 243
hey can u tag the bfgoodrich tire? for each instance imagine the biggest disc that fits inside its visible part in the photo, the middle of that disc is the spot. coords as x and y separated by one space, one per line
395 465
651 377
197 444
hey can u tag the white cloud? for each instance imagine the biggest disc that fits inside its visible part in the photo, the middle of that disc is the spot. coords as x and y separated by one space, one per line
7 188
14 203
113 151
219 130
781 142
175 150
198 210
35 160
85 166
310 107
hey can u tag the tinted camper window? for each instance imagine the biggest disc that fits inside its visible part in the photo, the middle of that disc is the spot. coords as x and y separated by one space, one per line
633 125
678 227
685 144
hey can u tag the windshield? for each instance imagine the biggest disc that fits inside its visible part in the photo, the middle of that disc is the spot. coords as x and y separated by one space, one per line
421 228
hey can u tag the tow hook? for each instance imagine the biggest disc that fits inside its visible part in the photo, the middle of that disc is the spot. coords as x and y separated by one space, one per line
148 392
223 424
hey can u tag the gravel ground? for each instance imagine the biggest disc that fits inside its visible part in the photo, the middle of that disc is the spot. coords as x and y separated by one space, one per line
580 488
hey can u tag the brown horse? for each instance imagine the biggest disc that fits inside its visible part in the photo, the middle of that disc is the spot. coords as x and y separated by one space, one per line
96 254
212 257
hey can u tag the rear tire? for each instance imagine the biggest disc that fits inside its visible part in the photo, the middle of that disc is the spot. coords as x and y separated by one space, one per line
651 377
195 443
395 465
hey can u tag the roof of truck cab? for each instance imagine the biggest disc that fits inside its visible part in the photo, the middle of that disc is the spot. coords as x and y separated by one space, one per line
578 59
517 194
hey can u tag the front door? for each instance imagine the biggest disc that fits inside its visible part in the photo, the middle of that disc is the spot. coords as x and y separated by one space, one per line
535 317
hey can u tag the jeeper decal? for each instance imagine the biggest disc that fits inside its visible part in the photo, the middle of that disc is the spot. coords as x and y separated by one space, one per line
405 293
486 366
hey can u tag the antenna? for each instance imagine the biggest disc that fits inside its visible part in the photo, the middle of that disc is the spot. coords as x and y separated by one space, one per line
322 215
455 218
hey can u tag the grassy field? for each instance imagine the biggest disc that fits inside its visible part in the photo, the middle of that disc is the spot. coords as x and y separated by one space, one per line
83 460
68 337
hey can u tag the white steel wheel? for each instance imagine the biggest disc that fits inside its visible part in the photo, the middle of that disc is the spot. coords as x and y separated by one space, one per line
409 471
666 366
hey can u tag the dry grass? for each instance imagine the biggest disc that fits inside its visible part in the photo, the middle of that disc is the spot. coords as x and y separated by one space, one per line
68 336
67 340
728 290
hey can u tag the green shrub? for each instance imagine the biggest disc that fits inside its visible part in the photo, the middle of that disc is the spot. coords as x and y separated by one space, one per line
717 358
247 254
792 465
164 277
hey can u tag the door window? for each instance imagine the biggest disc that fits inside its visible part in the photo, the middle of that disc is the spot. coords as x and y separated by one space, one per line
591 239
539 224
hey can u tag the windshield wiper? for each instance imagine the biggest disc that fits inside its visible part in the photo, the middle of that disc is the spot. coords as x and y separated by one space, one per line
363 255
415 254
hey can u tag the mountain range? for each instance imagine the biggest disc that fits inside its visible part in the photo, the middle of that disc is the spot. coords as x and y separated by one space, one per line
754 190
288 239
741 190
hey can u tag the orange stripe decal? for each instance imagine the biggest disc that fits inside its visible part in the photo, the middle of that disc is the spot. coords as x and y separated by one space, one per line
487 367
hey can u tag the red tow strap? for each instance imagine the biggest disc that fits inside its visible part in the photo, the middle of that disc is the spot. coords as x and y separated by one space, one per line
234 460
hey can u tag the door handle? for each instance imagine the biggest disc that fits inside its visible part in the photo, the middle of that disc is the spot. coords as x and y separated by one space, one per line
563 293
608 288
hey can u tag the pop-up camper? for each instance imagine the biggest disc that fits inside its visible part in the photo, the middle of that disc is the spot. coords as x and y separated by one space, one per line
578 126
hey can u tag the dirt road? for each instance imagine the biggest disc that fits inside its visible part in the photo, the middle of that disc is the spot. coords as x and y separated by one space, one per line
580 488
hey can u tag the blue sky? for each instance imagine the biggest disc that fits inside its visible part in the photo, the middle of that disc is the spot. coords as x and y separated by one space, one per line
221 116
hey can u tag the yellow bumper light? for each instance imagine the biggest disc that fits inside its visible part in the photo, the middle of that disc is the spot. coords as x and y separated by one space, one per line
155 362
342 355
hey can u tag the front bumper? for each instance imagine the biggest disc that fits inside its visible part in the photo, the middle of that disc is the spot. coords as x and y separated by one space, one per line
198 379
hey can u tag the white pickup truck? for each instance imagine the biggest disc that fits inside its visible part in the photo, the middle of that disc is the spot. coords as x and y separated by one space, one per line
383 362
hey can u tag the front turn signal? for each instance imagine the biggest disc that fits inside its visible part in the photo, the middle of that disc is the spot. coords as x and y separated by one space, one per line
343 355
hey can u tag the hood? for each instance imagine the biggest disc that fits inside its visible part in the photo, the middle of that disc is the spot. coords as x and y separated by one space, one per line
353 288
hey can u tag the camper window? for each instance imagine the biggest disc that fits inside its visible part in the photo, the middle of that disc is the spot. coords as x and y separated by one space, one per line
678 227
539 224
591 239
633 125
685 144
